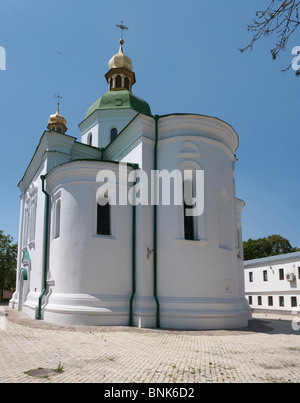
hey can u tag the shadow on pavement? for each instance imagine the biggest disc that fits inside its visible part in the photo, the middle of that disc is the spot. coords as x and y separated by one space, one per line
256 325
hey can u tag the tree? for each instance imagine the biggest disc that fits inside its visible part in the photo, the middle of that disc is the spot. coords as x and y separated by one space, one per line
265 247
280 18
8 261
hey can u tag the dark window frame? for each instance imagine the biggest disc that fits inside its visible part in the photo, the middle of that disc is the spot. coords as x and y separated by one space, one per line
281 301
293 302
111 83
119 81
113 134
189 221
127 83
103 219
281 274
265 275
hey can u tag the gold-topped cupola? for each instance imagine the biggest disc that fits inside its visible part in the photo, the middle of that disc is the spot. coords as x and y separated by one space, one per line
120 75
57 122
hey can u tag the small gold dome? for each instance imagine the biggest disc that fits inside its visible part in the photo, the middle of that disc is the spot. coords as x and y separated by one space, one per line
57 123
120 60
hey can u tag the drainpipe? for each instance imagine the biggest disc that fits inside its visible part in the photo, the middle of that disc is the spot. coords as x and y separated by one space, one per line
102 152
156 117
46 237
135 167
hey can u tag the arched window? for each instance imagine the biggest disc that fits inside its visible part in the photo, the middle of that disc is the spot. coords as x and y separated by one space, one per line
118 82
111 83
90 139
126 83
103 219
192 224
113 134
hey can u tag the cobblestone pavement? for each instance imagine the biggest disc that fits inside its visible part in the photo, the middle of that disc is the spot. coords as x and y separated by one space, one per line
267 351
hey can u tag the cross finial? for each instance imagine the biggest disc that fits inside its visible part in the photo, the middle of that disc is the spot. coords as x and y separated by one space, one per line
58 101
122 27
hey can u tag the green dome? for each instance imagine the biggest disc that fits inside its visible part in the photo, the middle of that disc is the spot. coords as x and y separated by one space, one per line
120 100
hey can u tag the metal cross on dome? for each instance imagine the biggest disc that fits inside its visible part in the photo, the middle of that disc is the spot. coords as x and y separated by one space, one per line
122 27
58 100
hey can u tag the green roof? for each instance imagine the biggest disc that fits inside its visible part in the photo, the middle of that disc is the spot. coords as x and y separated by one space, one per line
120 100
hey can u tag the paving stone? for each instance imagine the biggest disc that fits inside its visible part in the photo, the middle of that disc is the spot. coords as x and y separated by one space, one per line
267 351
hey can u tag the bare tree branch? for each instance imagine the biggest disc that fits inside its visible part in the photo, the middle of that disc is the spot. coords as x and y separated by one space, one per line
281 18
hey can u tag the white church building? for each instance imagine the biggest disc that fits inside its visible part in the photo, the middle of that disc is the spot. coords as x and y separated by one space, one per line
147 265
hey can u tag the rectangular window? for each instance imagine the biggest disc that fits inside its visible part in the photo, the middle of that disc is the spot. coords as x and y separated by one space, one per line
189 221
281 274
265 275
189 232
299 273
270 301
250 277
250 300
259 300
113 134
103 219
281 301
293 301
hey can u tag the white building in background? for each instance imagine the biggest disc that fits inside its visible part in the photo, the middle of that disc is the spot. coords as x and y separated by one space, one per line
149 266
273 283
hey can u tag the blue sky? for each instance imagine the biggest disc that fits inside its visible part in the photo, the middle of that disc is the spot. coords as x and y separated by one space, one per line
186 59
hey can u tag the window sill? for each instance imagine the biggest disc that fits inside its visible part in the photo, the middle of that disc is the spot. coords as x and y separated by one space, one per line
225 248
110 237
196 242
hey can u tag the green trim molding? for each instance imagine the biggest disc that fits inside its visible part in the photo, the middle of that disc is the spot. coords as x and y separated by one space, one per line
155 285
46 247
25 274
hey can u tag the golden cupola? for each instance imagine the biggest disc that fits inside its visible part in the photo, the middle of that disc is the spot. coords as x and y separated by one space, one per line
57 122
120 75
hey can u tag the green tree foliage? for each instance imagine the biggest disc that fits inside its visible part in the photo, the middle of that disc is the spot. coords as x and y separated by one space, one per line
265 247
8 261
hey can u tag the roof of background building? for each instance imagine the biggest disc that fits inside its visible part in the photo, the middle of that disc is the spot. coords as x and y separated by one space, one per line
272 259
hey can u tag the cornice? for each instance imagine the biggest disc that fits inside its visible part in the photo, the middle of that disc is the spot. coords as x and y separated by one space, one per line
198 125
100 115
79 171
140 126
51 143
